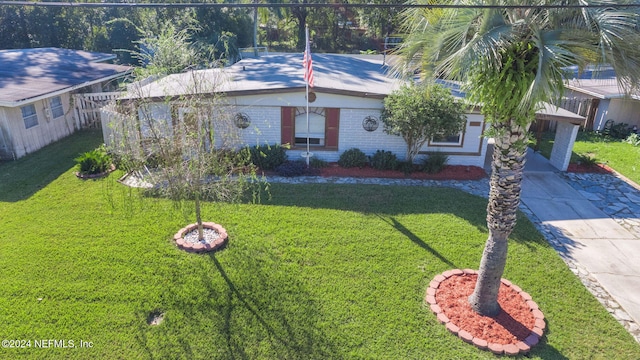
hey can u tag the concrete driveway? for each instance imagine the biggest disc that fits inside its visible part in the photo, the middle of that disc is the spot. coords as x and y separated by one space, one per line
589 237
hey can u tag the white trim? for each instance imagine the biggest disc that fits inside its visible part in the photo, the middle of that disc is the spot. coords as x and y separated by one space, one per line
60 92
31 116
50 108
587 92
449 143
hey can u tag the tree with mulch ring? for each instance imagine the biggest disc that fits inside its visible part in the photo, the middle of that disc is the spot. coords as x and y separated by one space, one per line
511 78
519 325
200 160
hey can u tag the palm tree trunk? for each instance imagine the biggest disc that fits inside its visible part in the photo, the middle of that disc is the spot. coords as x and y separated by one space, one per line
504 198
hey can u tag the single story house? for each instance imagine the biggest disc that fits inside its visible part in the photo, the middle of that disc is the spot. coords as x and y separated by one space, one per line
599 90
268 94
36 87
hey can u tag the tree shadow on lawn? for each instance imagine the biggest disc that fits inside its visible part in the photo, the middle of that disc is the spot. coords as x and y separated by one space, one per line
416 239
389 201
22 178
289 320
248 308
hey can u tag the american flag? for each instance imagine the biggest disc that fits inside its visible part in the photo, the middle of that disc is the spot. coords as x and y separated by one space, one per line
307 63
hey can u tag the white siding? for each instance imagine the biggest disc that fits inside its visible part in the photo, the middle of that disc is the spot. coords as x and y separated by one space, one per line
623 111
6 146
265 128
48 130
264 112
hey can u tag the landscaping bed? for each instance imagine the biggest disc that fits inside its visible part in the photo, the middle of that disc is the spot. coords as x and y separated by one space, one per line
317 271
450 172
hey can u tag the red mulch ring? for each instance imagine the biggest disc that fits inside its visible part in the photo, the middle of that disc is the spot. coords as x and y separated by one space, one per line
515 330
450 172
594 169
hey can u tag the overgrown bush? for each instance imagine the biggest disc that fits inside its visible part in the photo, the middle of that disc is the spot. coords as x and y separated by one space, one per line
633 139
435 162
292 168
225 161
94 162
384 160
353 157
123 161
317 163
268 157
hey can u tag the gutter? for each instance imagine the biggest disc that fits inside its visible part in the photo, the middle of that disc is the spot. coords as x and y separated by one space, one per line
61 91
587 92
601 96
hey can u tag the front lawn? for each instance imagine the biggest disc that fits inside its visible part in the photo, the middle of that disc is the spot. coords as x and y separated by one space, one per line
619 155
317 272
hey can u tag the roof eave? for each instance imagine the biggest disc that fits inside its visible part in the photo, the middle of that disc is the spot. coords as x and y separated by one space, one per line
234 93
585 91
61 91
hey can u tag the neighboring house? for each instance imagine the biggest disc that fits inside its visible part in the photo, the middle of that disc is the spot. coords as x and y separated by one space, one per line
36 87
600 93
268 93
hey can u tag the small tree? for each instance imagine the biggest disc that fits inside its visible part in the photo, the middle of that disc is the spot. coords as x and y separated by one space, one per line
181 127
421 112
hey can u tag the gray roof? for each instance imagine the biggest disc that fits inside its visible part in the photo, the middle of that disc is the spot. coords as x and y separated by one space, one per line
600 88
344 74
552 112
28 74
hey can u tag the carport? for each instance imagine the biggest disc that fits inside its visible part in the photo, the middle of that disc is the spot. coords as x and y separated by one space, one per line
568 124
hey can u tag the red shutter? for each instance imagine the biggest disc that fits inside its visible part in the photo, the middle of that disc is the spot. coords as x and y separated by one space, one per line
287 125
332 125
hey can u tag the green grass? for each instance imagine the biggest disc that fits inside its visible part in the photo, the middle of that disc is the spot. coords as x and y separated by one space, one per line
619 155
318 272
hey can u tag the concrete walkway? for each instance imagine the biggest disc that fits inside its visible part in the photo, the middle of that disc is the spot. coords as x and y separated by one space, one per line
585 235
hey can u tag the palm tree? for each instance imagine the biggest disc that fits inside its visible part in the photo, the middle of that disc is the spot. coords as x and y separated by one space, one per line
510 59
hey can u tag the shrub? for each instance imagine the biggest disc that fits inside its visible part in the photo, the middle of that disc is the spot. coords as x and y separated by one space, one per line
619 131
406 167
123 161
418 113
317 163
633 139
587 160
268 157
94 162
384 160
435 162
292 168
352 158
224 161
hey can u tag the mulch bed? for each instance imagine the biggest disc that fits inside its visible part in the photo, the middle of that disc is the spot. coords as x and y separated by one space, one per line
450 172
515 330
593 169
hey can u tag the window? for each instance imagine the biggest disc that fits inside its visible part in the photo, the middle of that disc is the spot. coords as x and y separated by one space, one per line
29 116
447 140
324 124
56 107
316 127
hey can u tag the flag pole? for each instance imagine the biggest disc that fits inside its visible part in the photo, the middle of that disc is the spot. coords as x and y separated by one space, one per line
306 69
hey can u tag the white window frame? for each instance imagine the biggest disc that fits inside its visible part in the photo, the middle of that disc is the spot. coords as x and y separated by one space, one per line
30 119
448 143
300 132
55 108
